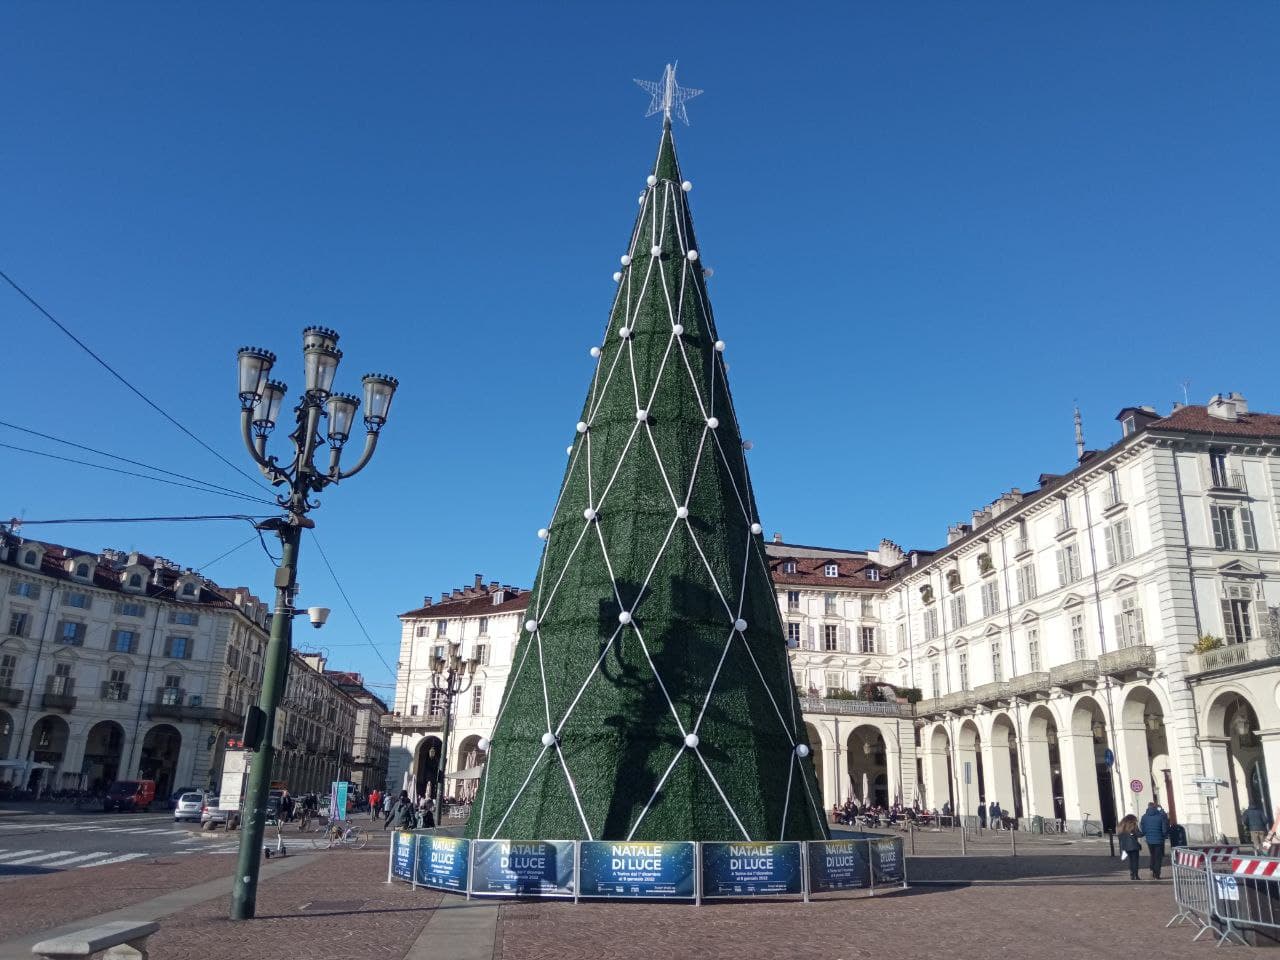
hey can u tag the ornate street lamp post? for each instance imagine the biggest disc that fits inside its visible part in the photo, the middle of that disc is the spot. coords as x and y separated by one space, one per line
298 477
451 676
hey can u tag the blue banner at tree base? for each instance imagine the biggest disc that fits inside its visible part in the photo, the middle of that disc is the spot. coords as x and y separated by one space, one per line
838 865
657 870
522 868
442 862
751 869
402 849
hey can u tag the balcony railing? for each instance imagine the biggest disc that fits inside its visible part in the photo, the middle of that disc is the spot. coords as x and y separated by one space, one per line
1234 655
857 708
1064 527
1227 480
1021 547
1029 684
991 692
1111 499
59 694
1128 661
1077 673
962 700
929 707
11 696
396 722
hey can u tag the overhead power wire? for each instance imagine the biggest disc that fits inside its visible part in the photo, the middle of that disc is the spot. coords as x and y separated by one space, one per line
134 473
185 519
112 370
223 556
136 463
360 623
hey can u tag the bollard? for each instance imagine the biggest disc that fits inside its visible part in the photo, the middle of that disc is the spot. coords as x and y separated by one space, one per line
1013 840
913 838
964 851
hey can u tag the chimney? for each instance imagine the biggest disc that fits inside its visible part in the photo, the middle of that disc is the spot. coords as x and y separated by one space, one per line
426 601
777 537
956 532
1241 406
479 581
1222 408
499 596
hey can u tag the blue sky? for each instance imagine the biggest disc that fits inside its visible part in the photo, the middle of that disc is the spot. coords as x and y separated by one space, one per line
934 226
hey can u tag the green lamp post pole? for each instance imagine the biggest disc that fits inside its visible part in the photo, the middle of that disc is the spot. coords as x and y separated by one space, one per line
451 676
260 401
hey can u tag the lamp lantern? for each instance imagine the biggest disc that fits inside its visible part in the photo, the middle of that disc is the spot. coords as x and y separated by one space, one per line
379 389
254 365
341 409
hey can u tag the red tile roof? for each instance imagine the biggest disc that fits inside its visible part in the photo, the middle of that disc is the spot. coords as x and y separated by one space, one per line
810 572
1196 419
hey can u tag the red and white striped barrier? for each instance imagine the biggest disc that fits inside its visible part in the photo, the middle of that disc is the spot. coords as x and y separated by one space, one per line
1255 866
1209 853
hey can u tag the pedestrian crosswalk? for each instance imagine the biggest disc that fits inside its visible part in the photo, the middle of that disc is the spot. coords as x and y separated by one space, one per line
28 846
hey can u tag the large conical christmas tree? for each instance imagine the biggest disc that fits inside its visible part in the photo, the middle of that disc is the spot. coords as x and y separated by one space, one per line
651 696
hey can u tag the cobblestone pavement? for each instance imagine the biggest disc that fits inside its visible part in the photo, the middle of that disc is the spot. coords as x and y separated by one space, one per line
334 908
34 903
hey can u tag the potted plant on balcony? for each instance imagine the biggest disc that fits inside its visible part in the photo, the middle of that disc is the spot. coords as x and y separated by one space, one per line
1206 643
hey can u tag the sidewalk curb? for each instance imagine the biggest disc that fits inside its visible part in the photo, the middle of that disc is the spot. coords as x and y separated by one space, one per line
459 929
162 906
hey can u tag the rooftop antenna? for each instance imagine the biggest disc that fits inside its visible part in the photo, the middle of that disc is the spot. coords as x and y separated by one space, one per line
1079 435
1186 397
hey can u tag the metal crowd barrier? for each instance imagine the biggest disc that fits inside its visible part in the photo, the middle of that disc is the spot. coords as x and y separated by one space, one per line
1219 888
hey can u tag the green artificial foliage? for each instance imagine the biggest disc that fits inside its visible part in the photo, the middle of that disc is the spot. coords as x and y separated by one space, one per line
623 698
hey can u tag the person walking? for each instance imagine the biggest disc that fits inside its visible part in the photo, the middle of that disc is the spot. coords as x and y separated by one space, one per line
994 813
1155 830
394 810
1255 821
1130 841
374 805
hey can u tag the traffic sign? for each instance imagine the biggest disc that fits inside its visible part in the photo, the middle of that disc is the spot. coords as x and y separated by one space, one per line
1108 758
1135 786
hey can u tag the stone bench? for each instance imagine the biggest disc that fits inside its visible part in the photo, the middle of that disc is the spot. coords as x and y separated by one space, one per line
121 939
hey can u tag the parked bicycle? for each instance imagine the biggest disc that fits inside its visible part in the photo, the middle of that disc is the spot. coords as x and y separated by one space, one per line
1088 829
340 834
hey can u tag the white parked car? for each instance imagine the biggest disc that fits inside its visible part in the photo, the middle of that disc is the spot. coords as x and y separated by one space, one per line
188 807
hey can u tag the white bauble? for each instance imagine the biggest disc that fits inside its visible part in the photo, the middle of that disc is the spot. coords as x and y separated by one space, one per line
651 180
589 514
531 625
626 259
713 422
624 618
757 529
747 444
655 250
692 255
569 449
691 741
682 513
582 426
642 414
740 625
678 329
624 332
595 351
617 277
544 533
484 743
719 346
686 186
548 739
802 750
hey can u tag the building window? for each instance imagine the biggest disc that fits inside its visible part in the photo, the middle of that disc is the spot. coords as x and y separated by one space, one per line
171 693
1033 649
129 610
1079 648
868 607
21 588
997 662
481 654
963 660
1129 629
793 599
1064 515
831 570
793 634
788 566
902 637
422 630
19 623
116 688
1026 582
82 571
135 580
1119 542
477 701
990 598
70 633
931 624
184 617
873 574
1218 472
935 678
126 641
1068 564
442 628
79 600
435 703
835 684
829 604
959 613
484 626
30 558
188 589
1237 613
830 637
868 640
1226 535
8 668
179 648
61 683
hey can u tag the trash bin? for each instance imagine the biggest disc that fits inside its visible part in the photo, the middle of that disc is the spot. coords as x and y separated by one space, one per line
1037 824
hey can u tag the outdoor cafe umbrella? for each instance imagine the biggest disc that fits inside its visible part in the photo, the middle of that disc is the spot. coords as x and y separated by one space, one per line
866 796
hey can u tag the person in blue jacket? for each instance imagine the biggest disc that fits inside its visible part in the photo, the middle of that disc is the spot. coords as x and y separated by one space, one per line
1155 830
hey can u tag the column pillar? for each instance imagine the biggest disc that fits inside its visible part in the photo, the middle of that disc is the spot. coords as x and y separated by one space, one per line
1079 776
1035 755
999 774
1134 763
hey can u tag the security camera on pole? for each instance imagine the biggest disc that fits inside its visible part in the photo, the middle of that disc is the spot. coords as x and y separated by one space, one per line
260 401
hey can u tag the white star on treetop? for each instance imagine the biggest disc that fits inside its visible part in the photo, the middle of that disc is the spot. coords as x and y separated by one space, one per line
668 96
